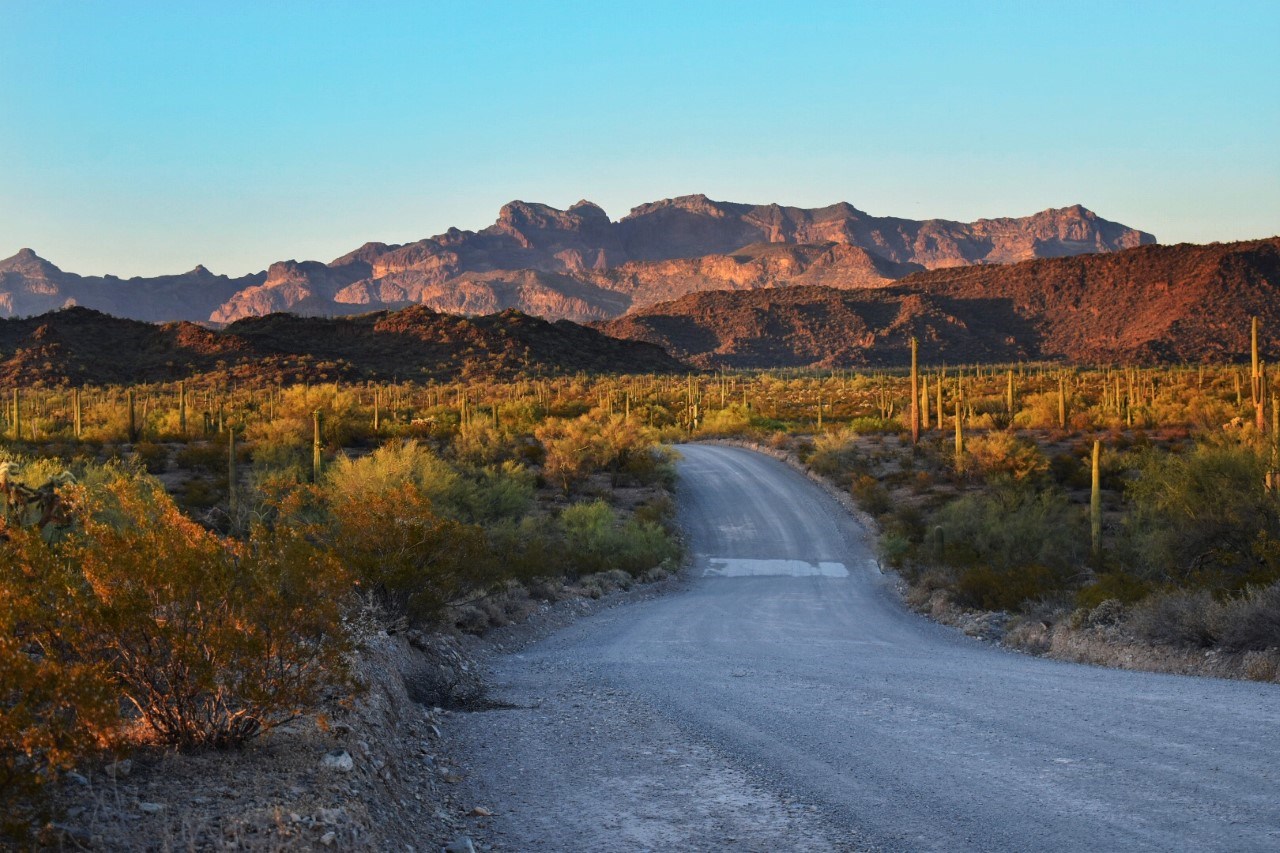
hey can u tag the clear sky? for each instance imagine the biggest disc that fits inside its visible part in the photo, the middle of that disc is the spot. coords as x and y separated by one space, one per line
144 138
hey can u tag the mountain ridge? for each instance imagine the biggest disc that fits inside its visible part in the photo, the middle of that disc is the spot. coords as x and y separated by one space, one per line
1148 304
576 263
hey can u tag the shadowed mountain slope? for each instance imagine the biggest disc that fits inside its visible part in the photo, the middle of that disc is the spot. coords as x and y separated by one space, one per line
1148 304
80 346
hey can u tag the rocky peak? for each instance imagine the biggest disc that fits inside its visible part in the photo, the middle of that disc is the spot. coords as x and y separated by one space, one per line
28 262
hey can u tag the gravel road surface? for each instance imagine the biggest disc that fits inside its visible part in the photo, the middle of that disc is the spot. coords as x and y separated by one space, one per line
785 701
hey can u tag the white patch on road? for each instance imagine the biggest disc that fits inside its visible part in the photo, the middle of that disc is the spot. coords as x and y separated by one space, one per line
737 567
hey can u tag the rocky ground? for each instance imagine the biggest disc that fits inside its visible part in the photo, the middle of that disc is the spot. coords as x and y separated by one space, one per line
375 771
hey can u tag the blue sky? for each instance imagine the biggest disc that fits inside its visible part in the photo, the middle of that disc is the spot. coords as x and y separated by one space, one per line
144 138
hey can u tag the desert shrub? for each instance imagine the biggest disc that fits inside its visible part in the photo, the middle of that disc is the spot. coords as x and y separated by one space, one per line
870 494
836 456
490 494
1008 589
733 420
869 424
388 468
56 707
202 456
1176 618
280 445
153 457
1113 586
1200 517
1070 471
1004 453
580 447
1250 622
211 642
658 510
481 443
1016 542
401 550
596 542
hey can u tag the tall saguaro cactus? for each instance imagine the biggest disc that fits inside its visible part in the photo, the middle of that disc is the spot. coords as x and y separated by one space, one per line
316 460
79 411
1062 401
133 422
1095 503
915 391
182 407
231 473
924 401
1255 377
17 415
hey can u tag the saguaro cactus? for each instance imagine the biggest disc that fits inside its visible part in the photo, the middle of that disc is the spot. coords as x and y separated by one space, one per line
78 411
316 460
1256 383
231 473
182 407
1062 401
133 423
17 415
915 391
924 401
1095 503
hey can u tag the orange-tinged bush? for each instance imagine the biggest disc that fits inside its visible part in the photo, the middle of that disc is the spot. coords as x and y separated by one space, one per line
54 706
212 642
412 559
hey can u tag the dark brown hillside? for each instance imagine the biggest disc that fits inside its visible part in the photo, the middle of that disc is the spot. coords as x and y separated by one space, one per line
78 346
1153 303
1147 304
826 327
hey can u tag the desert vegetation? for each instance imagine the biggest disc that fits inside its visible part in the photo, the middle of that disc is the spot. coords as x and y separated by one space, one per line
191 564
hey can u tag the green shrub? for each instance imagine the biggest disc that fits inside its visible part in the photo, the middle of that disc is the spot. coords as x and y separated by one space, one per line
1200 517
1011 589
596 542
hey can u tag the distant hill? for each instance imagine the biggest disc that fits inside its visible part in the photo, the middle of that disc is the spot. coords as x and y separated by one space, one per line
1182 303
578 264
79 346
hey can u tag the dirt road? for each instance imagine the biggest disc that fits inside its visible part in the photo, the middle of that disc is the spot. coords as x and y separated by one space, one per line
786 701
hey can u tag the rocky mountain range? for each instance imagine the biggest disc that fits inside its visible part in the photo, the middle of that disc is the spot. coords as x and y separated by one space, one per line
1181 303
578 264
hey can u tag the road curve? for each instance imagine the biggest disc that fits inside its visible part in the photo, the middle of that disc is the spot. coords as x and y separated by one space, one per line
786 701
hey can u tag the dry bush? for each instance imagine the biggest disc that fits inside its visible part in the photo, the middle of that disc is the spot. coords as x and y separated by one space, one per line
1175 618
211 642
1251 622
56 707
400 549
1004 453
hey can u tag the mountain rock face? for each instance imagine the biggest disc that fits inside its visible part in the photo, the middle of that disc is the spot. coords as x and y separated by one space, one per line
1149 304
79 346
31 285
578 264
